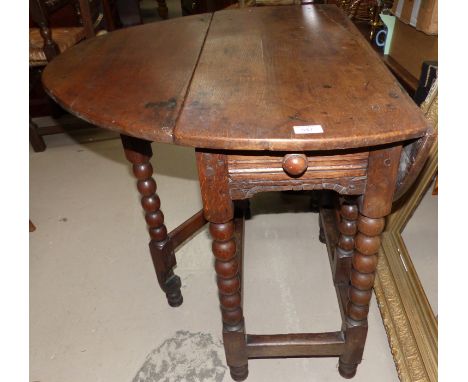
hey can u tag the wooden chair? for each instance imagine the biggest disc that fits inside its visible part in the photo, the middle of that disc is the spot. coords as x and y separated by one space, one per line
46 42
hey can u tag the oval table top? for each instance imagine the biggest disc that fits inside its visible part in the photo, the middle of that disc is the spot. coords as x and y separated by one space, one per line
283 78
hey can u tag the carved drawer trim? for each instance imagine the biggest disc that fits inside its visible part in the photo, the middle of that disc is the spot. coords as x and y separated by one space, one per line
251 173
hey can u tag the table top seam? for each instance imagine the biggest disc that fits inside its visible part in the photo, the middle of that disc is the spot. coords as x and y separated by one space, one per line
189 86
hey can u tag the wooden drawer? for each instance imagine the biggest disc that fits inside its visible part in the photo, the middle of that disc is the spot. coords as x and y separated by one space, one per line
250 173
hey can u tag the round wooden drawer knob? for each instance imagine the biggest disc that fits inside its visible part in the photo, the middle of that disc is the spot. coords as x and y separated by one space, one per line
294 164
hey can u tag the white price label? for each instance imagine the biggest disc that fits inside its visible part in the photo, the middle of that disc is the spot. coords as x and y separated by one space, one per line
308 129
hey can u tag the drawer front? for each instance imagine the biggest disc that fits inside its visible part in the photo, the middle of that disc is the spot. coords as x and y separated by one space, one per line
253 173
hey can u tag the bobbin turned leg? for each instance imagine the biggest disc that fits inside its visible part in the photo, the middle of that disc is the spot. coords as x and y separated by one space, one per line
138 152
374 205
219 211
227 271
345 246
364 264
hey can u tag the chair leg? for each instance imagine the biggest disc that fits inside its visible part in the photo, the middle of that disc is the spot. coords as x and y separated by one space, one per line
36 140
364 264
138 152
163 11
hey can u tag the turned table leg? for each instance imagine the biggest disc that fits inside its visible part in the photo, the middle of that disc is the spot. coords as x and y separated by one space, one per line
364 264
138 152
345 246
219 211
229 287
374 205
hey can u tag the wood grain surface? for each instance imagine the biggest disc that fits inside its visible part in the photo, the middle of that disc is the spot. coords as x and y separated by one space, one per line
265 70
133 80
238 79
250 173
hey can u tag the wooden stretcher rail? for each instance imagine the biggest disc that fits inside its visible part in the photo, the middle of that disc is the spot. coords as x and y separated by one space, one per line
188 228
295 345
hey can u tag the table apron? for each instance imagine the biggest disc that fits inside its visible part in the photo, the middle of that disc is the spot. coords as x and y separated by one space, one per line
252 173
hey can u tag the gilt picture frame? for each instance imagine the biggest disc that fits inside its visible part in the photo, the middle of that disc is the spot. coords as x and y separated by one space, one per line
408 318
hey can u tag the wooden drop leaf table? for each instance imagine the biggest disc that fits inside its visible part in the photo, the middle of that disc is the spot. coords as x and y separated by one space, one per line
272 99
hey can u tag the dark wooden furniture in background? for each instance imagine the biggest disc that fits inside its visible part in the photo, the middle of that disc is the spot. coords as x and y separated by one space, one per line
163 11
307 106
129 13
192 7
46 42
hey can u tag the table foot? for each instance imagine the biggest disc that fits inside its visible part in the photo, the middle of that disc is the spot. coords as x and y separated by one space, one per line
347 370
239 373
172 289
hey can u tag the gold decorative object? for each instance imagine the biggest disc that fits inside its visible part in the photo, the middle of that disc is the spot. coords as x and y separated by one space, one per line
358 10
408 318
366 11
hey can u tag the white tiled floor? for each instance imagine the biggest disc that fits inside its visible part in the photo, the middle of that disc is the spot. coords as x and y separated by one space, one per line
96 311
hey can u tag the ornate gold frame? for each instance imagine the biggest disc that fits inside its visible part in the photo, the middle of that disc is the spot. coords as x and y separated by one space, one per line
408 318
